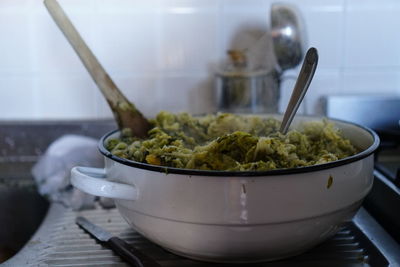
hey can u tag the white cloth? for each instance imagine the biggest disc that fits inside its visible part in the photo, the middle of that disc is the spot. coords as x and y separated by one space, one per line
52 171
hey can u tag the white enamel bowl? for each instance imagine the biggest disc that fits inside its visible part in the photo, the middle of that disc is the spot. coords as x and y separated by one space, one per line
236 216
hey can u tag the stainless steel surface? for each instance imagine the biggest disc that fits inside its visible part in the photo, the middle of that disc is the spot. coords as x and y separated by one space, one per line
24 141
22 211
248 92
303 82
93 229
21 143
372 230
383 203
29 254
379 112
288 35
60 242
128 253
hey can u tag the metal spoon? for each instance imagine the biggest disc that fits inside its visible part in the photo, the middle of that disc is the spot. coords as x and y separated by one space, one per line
303 82
125 113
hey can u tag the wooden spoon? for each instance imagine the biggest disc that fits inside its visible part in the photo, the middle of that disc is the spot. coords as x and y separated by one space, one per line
125 113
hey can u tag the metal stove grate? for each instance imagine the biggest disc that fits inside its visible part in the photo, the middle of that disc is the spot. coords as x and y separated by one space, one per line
71 246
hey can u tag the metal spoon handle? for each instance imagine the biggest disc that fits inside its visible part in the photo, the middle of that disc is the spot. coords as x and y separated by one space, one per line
303 82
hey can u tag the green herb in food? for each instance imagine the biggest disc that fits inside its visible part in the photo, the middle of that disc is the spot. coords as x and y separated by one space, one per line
232 142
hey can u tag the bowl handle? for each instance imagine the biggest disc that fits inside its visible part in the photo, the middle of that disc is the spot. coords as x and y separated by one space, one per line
92 181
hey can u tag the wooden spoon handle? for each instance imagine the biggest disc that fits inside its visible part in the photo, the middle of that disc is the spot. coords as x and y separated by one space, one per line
125 112
99 75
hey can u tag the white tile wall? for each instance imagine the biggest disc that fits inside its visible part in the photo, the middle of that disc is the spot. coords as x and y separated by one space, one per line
370 35
143 91
16 96
162 54
128 43
188 41
65 97
16 54
50 51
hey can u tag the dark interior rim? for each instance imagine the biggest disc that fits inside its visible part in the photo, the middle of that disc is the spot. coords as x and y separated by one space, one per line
192 172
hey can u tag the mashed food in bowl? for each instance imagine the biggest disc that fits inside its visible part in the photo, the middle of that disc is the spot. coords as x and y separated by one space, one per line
229 142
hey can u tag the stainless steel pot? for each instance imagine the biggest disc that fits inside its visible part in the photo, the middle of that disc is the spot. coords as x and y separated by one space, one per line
248 92
236 216
250 81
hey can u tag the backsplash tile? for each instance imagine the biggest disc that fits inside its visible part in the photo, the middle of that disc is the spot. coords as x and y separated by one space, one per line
127 6
189 6
371 81
65 97
371 34
242 28
188 42
324 83
141 90
50 50
127 50
324 30
162 54
15 46
16 6
16 97
192 94
246 6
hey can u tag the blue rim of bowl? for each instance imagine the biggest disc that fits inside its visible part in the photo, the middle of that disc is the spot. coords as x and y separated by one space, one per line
193 172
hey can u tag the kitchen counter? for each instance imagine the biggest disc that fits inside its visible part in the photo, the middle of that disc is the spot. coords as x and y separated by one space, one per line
59 242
